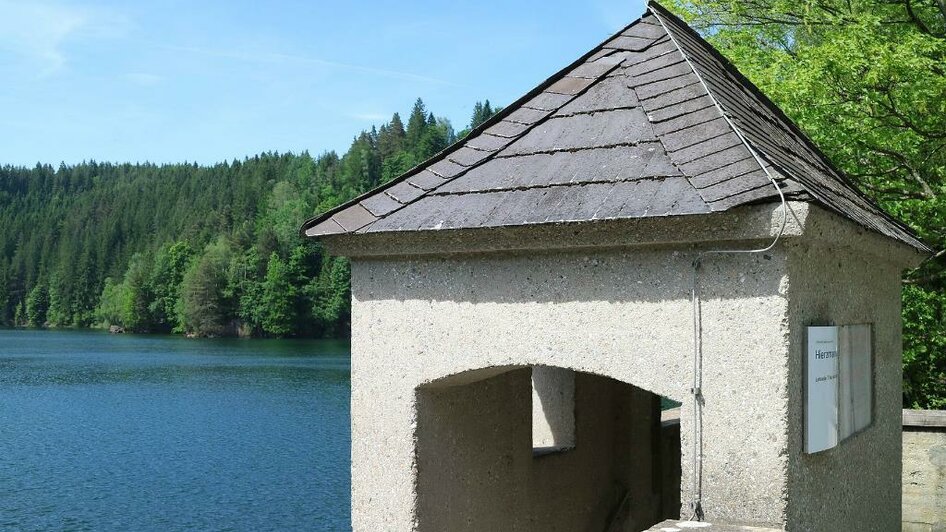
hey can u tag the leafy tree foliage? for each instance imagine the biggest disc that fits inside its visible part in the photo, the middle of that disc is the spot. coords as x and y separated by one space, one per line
205 303
111 308
166 277
866 79
204 250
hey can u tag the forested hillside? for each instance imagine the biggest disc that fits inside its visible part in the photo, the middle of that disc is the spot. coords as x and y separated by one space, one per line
207 250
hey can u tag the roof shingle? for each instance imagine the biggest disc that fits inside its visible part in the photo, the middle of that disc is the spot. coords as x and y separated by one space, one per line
653 122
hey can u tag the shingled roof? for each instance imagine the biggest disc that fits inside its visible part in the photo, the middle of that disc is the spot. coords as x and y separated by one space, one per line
652 122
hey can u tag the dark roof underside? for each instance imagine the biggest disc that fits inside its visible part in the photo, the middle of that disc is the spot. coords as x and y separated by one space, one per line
629 130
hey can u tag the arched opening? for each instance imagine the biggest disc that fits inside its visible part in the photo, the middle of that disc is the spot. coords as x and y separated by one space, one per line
543 448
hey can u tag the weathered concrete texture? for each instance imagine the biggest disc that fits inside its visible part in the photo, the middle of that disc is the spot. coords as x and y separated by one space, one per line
620 314
675 525
476 470
924 468
432 314
759 223
856 485
924 473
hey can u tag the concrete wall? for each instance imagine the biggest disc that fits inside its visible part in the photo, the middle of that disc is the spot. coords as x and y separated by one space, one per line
476 469
924 467
621 314
856 485
924 471
612 299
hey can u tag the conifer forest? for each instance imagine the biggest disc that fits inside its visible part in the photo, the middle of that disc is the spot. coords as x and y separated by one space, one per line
201 250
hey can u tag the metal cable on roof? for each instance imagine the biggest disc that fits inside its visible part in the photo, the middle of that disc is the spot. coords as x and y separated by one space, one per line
696 471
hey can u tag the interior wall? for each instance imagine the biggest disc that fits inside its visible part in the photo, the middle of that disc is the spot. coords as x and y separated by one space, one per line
476 469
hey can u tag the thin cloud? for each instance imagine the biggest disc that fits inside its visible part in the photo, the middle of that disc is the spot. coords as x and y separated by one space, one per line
39 31
276 58
143 78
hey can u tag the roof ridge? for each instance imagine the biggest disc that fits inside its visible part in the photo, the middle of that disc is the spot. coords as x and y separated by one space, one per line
722 111
731 69
784 121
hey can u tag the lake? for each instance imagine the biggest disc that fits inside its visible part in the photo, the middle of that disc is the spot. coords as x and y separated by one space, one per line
125 432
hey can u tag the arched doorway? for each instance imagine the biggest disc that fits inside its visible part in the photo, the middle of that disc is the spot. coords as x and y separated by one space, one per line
541 448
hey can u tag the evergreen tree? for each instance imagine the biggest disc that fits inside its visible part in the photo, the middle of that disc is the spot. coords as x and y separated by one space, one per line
391 137
19 317
5 316
165 282
58 314
481 113
331 296
437 136
110 310
398 164
416 124
137 294
37 304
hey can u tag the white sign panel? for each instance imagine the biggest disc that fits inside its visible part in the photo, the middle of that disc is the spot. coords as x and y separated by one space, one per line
855 394
821 387
839 382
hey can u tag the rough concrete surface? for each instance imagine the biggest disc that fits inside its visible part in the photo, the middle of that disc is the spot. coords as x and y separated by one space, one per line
617 314
675 525
924 467
924 479
421 323
856 485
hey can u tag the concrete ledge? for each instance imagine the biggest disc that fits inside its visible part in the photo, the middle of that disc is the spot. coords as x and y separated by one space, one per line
670 417
741 227
675 525
924 470
925 418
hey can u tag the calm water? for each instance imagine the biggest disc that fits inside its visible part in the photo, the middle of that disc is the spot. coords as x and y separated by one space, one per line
122 432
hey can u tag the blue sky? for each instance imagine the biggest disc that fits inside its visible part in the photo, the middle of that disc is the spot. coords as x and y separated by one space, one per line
205 81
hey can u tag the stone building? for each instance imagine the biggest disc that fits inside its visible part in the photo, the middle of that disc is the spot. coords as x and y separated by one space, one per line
643 224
